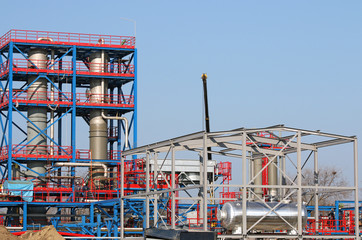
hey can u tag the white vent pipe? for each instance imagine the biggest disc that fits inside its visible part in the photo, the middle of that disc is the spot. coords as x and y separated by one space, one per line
125 125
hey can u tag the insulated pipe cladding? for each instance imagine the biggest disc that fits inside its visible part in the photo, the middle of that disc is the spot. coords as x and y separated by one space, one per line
272 176
37 115
98 132
231 216
258 166
37 122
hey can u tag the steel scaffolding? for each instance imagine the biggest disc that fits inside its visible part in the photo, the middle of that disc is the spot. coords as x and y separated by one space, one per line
244 145
52 73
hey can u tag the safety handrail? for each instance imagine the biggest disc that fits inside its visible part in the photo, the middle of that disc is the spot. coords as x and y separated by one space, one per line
66 67
79 39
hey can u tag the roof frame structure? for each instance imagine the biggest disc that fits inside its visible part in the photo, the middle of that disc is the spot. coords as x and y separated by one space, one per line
245 144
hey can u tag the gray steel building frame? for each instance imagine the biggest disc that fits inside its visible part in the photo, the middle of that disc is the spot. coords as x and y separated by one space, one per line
244 144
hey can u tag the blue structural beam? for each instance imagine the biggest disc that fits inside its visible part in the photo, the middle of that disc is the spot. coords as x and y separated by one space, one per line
40 132
10 110
135 102
337 211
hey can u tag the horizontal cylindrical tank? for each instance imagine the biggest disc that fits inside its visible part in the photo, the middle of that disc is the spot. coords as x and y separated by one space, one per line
231 215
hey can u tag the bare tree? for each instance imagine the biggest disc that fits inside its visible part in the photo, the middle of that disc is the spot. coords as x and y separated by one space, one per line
328 176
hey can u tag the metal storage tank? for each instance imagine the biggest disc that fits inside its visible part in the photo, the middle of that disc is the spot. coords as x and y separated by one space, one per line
231 215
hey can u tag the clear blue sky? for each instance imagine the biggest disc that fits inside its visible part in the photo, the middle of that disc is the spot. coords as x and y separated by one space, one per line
293 62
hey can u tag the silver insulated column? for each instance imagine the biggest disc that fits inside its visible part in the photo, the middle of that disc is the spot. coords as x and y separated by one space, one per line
258 166
37 115
273 178
98 134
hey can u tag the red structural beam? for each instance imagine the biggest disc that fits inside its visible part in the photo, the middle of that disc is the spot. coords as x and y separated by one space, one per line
49 152
65 98
109 100
329 226
82 68
41 151
63 38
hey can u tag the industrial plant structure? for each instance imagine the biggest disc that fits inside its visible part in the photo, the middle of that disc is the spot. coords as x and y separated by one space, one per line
55 86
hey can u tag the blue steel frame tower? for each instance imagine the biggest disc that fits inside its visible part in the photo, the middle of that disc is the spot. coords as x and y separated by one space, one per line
48 80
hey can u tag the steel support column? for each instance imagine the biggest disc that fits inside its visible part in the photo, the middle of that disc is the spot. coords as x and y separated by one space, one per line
74 115
356 204
121 212
244 183
173 207
147 222
135 114
316 195
299 184
204 181
25 216
155 180
10 110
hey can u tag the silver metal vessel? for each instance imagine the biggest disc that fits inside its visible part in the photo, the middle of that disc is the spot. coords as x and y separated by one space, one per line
98 129
37 115
37 122
231 216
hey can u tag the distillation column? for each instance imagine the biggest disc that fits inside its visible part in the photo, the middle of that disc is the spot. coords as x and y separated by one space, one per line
37 116
98 133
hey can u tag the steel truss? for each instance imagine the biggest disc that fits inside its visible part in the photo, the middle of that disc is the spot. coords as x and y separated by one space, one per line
244 145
